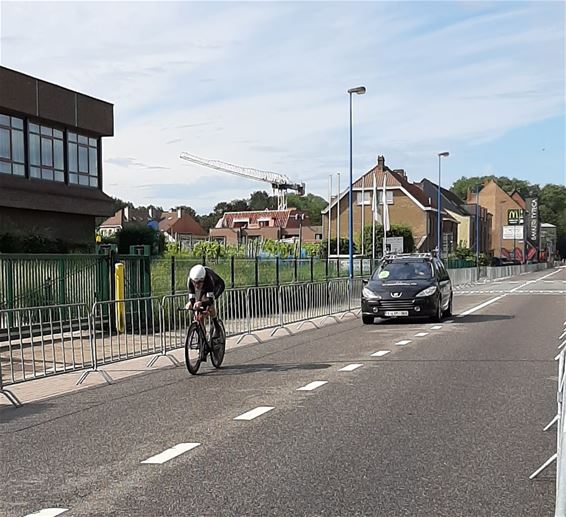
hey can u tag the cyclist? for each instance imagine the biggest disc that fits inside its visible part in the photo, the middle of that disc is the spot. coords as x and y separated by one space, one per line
204 287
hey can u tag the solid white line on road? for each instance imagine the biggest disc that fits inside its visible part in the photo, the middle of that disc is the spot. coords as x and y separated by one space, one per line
436 327
403 342
254 413
48 512
171 453
350 367
562 335
312 386
421 334
514 282
480 306
380 353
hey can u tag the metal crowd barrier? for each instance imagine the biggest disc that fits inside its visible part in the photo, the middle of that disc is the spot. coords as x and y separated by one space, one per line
41 341
560 420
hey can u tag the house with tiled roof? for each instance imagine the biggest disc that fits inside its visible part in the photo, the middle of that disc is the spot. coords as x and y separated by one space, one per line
408 205
176 224
241 227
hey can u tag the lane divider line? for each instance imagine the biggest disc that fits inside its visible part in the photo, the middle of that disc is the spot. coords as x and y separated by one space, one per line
171 453
436 327
403 342
421 334
380 353
350 367
254 413
48 512
312 386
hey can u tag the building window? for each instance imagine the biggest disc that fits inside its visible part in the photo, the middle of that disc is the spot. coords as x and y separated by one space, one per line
367 198
389 196
82 155
46 159
12 156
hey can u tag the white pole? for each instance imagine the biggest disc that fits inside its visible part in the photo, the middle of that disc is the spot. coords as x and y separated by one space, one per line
338 218
329 214
385 215
363 213
374 215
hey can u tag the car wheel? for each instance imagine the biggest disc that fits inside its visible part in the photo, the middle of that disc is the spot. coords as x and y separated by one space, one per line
437 318
448 311
367 320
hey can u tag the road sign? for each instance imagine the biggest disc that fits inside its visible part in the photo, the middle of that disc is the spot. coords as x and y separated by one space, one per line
395 245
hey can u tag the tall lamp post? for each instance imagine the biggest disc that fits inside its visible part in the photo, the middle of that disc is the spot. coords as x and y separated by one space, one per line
439 206
359 90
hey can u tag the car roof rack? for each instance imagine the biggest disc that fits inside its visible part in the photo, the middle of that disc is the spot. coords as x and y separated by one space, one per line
408 255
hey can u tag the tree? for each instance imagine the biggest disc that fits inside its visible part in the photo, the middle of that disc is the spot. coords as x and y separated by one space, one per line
260 200
462 186
310 204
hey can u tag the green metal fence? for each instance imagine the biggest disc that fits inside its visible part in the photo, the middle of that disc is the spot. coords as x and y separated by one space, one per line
40 280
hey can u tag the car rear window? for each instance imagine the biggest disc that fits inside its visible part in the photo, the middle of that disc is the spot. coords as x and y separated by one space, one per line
403 271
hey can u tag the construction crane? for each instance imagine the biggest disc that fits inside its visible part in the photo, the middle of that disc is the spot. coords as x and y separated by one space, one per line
279 182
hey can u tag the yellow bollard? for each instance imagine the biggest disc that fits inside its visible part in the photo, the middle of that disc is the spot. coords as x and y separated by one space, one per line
120 292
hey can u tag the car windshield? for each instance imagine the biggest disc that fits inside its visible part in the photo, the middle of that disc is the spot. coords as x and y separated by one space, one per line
403 271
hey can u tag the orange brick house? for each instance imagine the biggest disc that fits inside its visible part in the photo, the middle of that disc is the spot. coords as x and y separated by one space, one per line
241 227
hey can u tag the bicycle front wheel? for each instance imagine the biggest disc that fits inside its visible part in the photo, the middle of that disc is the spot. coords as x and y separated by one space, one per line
193 348
218 347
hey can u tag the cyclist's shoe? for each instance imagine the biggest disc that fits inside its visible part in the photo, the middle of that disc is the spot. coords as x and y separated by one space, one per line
216 332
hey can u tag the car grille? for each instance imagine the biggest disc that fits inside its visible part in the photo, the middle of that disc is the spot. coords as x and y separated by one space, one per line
396 305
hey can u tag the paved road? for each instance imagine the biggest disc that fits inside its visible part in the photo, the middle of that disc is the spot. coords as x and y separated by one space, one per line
447 424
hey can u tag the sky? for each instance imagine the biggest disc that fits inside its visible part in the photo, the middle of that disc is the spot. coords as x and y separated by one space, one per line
264 85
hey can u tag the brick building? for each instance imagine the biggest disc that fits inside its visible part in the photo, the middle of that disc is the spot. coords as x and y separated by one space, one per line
408 205
242 227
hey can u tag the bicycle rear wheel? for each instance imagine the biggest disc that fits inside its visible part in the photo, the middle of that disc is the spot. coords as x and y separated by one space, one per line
218 347
193 348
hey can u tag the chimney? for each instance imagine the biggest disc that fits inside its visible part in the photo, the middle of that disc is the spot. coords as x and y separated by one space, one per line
401 172
126 214
381 162
179 213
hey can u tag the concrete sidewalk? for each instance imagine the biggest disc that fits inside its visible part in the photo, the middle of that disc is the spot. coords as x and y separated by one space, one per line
56 385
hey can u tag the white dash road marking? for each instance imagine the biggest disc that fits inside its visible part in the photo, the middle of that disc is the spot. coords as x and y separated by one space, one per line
436 327
171 453
380 353
312 386
350 367
421 334
481 306
403 342
254 413
48 512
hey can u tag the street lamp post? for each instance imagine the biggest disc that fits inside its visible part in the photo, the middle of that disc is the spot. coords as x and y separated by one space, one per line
360 90
478 228
439 206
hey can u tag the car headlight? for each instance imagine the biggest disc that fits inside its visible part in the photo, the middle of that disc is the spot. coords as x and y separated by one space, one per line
368 293
429 291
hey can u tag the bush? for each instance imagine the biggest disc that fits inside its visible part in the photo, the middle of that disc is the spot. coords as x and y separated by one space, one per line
139 234
396 230
12 243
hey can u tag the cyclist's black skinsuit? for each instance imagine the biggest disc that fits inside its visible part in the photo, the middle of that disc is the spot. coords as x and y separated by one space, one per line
212 288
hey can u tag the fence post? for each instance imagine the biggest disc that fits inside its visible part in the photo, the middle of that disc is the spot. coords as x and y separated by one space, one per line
232 259
204 259
277 270
61 281
256 266
173 274
295 269
326 266
312 269
10 290
337 268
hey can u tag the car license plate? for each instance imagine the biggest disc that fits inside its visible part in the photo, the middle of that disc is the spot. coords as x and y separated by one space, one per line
396 313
